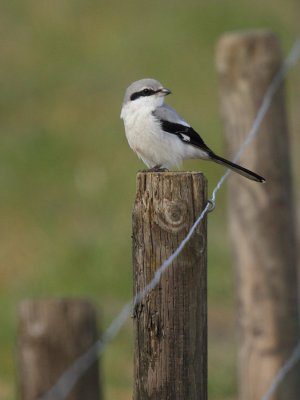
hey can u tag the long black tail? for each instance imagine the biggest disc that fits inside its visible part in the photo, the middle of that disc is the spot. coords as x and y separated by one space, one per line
237 168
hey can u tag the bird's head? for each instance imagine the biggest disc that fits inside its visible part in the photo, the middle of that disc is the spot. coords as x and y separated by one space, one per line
147 92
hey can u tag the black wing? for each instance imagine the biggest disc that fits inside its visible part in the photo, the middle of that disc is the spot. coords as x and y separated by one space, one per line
185 133
173 123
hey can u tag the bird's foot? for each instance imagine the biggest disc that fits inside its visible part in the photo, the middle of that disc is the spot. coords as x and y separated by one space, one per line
158 168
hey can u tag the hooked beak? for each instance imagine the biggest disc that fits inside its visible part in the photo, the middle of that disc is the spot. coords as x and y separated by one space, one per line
165 92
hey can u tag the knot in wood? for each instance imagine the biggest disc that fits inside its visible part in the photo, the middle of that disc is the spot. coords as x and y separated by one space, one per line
171 216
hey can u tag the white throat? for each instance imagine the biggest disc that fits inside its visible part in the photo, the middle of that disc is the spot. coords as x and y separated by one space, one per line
142 104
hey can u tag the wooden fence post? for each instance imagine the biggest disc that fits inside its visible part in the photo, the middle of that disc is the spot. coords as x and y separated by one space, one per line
52 334
261 216
170 324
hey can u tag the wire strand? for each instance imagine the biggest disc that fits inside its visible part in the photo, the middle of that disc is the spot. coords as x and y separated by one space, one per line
281 374
66 382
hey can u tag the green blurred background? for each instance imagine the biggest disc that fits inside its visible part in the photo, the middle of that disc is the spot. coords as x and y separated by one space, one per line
67 175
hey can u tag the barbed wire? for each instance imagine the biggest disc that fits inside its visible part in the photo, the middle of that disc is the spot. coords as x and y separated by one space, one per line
70 377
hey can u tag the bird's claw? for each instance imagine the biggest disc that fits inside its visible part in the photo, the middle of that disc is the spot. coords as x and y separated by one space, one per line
158 168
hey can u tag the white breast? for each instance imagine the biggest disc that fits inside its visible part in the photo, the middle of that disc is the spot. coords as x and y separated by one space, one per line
147 140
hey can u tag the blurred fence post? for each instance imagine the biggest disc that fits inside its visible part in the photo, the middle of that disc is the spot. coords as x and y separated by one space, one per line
170 324
51 335
261 216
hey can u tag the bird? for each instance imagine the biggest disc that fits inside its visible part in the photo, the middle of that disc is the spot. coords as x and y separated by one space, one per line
159 136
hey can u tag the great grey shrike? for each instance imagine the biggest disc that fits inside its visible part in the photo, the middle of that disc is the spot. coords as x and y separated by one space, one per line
159 136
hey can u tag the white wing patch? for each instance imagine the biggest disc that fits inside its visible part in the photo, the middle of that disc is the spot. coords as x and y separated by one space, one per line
185 138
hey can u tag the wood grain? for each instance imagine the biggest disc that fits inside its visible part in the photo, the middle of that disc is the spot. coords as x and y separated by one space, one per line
170 325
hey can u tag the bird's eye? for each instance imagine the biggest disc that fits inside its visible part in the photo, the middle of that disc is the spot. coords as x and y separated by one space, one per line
146 91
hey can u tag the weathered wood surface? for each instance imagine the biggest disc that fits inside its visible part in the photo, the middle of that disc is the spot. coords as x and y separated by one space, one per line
52 334
261 216
170 324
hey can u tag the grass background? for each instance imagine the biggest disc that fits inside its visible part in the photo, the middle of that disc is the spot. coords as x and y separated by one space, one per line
67 176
